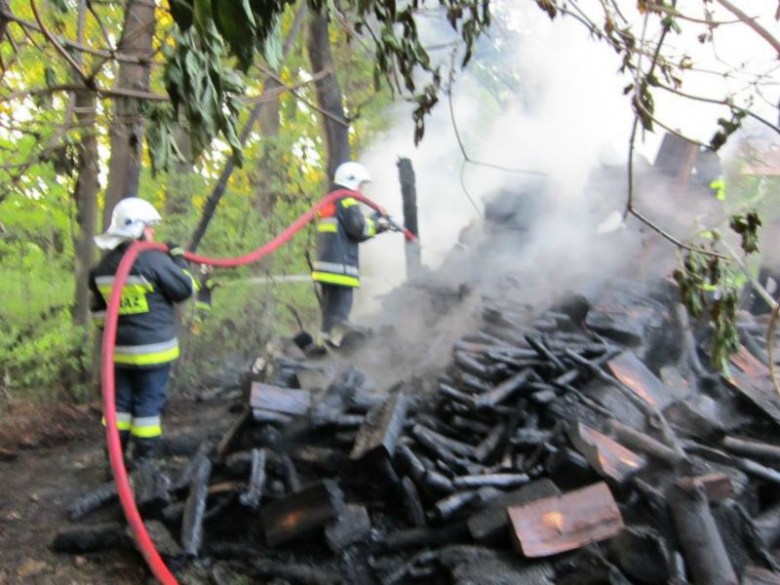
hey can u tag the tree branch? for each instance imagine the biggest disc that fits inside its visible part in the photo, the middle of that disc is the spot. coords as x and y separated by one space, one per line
751 22
102 92
29 25
89 82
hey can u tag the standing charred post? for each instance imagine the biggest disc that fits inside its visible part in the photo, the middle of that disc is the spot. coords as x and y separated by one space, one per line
409 195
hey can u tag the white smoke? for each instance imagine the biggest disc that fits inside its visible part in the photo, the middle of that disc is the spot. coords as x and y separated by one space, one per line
567 114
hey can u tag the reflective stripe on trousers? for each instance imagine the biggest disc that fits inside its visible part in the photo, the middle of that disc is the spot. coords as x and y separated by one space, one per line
147 355
339 279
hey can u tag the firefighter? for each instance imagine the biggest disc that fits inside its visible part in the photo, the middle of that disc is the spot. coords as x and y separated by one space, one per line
146 341
341 226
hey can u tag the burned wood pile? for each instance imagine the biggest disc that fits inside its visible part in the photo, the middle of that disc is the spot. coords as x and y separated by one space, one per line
585 444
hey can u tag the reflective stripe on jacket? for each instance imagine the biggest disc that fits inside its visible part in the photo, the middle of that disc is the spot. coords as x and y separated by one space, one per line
146 330
341 226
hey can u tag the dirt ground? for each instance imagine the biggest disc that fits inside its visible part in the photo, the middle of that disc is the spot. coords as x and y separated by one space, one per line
48 458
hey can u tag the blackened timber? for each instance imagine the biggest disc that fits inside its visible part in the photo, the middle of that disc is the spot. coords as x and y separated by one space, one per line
471 366
266 416
504 480
544 352
185 477
421 537
752 449
469 425
757 470
428 437
413 507
411 463
151 488
474 383
491 523
488 447
351 526
230 437
282 400
381 428
412 251
194 508
504 390
437 483
644 444
254 491
304 574
701 542
300 513
292 480
768 526
103 495
163 541
91 538
447 507
450 392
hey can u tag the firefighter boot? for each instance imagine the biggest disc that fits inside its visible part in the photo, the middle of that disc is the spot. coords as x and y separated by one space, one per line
347 336
145 449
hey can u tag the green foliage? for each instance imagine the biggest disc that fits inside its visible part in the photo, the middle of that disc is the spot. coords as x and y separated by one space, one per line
710 288
206 90
747 227
727 128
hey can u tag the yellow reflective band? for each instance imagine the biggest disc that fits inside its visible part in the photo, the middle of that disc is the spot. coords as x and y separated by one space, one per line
349 202
370 229
201 306
147 359
195 284
146 432
341 279
327 227
121 425
133 300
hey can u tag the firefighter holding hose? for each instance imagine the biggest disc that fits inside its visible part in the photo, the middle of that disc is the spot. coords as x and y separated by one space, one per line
146 338
341 227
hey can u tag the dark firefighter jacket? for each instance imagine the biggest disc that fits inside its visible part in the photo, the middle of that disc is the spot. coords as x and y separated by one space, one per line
146 331
341 226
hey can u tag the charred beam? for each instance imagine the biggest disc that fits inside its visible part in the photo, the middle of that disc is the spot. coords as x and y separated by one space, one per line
381 428
352 526
91 538
105 494
504 390
701 542
254 491
302 512
194 508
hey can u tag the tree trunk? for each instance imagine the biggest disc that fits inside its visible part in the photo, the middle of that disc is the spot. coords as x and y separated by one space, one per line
85 195
126 132
87 187
329 96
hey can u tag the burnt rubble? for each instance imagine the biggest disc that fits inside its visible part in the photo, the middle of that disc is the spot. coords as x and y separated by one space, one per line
587 443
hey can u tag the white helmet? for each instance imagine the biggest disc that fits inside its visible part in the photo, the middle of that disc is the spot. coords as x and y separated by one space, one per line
128 220
351 175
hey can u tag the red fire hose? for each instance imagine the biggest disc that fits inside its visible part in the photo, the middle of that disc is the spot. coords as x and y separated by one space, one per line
145 544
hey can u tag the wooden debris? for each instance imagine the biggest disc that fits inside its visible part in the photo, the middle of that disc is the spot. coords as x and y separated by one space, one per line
300 513
560 523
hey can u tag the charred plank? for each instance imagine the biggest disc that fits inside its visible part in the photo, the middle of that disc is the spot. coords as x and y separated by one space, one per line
254 491
194 508
300 513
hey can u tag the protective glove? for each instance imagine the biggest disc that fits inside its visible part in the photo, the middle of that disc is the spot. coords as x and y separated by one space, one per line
207 284
382 225
176 252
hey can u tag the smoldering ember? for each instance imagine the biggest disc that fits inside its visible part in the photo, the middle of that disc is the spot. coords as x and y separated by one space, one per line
575 436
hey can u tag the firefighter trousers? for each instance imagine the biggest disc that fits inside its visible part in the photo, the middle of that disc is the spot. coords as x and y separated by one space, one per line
141 395
336 305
